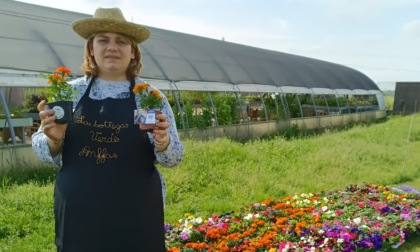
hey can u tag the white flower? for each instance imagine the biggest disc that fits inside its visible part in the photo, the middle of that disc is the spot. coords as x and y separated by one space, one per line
321 231
198 220
357 220
324 208
330 213
340 240
187 231
248 217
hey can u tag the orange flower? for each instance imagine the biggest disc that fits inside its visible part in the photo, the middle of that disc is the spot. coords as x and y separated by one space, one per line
281 221
216 233
300 225
63 70
59 90
196 245
140 87
267 202
56 77
155 93
151 100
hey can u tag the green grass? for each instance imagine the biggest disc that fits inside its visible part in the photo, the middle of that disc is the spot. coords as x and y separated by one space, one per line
224 175
389 102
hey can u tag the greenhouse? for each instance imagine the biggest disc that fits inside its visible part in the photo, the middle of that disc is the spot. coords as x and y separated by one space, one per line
209 83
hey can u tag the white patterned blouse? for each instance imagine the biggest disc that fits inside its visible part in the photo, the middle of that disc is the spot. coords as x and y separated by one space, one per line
100 90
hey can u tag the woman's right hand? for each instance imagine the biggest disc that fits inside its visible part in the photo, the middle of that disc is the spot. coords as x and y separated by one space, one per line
55 132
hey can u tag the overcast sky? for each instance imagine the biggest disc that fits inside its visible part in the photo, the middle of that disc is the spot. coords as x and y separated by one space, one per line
380 38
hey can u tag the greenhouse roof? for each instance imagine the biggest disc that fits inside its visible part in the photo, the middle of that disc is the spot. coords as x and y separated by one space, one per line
38 39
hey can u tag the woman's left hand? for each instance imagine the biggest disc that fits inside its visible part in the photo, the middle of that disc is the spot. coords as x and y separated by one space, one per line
160 132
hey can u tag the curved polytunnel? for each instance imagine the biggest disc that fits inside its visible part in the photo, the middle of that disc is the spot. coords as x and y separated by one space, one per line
38 39
267 85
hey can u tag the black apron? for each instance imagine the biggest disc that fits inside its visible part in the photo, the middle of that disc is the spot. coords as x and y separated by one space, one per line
108 194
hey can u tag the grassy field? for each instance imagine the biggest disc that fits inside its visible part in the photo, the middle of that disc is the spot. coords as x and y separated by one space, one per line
224 175
389 102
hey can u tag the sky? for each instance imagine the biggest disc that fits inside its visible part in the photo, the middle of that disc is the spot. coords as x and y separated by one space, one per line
380 38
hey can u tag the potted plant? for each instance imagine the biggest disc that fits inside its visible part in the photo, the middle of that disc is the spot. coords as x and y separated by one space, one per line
31 104
17 119
60 95
150 105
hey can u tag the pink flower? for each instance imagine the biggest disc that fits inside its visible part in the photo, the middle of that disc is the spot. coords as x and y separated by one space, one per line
406 216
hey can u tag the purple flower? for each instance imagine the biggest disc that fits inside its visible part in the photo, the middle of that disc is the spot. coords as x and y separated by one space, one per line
184 236
377 241
406 189
346 237
386 209
167 227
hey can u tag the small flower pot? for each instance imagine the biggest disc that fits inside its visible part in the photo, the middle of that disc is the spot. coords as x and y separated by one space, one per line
146 118
63 111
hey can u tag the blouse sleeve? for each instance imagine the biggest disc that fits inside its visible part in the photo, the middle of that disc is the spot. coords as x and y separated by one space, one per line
41 149
39 139
174 153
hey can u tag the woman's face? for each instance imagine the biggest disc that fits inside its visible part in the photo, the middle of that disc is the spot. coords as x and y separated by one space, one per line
112 53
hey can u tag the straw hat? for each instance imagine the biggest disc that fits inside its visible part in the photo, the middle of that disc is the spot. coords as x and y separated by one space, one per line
110 20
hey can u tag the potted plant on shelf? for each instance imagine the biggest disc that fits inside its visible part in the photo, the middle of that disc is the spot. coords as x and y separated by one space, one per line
149 107
31 104
17 119
60 95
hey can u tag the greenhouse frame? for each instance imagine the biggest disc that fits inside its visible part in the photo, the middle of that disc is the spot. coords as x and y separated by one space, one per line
266 85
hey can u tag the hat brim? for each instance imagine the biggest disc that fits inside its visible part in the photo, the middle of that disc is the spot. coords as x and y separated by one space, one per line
86 27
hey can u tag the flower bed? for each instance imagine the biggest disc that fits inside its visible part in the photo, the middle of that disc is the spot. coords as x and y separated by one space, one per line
362 217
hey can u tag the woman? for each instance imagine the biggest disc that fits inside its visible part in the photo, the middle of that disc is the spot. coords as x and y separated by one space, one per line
108 194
